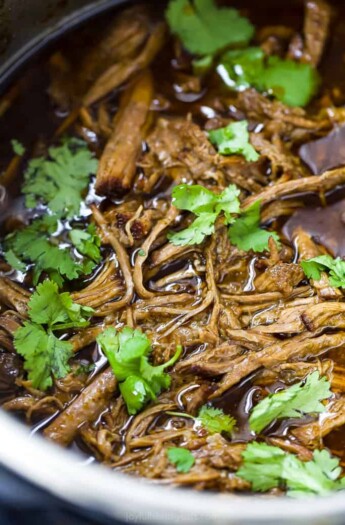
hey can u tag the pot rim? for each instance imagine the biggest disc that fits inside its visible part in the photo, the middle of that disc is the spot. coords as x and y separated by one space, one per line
43 38
119 495
112 493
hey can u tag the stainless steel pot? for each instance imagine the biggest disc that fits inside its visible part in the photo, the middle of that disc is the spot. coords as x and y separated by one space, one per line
26 26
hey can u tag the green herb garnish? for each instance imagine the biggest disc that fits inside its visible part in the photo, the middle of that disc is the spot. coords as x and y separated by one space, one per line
37 244
17 147
303 398
267 467
335 268
84 369
246 233
207 206
59 180
14 261
127 352
234 140
212 419
205 29
87 242
215 421
243 68
293 83
44 354
182 458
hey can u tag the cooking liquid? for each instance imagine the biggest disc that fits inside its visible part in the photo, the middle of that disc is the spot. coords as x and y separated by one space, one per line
33 120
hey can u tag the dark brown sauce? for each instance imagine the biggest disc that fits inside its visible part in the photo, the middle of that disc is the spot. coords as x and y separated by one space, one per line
33 120
336 442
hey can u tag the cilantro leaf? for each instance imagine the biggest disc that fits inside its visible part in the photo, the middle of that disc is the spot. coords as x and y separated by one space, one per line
246 233
262 466
228 203
199 200
267 467
32 244
194 198
204 28
155 376
334 267
135 393
124 350
212 419
44 354
45 306
294 83
200 228
313 269
17 147
127 352
234 140
87 242
291 82
36 244
311 477
14 261
57 310
84 368
182 458
207 206
59 180
215 421
302 398
242 68
202 65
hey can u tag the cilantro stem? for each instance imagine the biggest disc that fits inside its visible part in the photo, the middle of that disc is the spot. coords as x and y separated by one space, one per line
175 357
180 414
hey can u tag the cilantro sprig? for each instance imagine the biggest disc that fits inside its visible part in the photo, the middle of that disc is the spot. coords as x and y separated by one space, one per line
291 82
128 354
267 467
181 458
37 244
246 233
205 29
59 180
242 68
87 242
17 147
45 355
244 230
207 206
215 421
302 398
335 268
234 140
211 419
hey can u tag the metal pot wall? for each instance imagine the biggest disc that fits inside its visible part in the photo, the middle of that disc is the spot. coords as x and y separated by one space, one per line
26 26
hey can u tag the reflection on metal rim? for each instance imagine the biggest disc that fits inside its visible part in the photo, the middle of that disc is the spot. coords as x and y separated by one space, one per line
139 501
